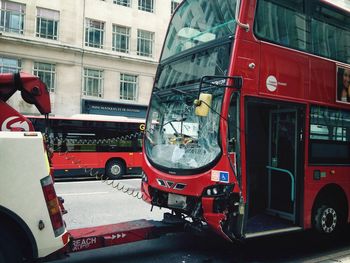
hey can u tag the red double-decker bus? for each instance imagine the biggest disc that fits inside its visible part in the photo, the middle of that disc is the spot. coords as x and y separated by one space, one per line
248 128
89 145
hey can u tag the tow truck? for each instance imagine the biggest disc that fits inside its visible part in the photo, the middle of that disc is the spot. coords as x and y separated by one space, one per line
31 221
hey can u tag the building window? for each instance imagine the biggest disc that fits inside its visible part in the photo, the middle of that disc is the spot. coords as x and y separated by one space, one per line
94 33
145 41
47 23
121 38
93 82
126 3
174 4
146 5
9 65
128 87
12 17
47 73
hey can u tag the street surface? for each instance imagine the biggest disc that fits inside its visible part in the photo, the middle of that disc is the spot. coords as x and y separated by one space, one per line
92 203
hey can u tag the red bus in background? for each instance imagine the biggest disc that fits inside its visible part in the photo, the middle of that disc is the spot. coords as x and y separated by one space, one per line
248 128
88 144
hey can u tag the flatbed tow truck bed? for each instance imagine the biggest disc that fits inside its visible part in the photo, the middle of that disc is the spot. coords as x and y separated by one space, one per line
121 233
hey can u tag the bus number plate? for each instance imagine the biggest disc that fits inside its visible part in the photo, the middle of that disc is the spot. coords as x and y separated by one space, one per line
176 201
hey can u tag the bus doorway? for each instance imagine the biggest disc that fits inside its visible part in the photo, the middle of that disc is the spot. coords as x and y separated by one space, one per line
281 166
274 166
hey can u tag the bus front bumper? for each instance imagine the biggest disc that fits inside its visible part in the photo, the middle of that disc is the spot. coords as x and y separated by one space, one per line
219 211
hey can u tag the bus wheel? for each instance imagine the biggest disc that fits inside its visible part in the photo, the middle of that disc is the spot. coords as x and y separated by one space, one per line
327 219
115 169
9 251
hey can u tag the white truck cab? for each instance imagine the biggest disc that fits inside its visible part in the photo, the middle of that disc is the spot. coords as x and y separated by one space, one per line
31 221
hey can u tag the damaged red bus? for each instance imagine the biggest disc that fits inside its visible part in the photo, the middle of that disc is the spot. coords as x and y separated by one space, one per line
248 127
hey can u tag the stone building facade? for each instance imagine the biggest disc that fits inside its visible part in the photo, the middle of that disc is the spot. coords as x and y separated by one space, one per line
86 51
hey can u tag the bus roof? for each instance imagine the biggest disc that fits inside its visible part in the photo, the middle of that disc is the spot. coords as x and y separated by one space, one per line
342 4
94 117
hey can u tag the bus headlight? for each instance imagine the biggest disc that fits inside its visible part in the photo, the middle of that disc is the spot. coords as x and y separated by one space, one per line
218 190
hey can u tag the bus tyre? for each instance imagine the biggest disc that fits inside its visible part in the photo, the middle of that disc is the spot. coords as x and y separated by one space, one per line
9 250
115 169
327 220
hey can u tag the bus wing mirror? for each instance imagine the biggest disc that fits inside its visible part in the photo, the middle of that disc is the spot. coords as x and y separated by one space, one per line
203 104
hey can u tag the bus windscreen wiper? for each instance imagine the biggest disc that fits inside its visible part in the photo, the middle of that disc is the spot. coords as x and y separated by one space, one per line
180 91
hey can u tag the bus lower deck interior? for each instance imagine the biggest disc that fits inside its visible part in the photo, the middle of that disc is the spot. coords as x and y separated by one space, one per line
272 167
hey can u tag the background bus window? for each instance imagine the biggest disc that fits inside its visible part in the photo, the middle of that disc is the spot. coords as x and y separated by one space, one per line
91 136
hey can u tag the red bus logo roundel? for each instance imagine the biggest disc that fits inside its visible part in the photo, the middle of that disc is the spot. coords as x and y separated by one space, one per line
15 123
271 83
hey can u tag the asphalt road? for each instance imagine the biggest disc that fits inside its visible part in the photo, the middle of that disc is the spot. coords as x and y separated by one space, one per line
94 203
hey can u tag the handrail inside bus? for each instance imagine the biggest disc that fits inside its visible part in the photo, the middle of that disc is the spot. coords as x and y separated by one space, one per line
292 197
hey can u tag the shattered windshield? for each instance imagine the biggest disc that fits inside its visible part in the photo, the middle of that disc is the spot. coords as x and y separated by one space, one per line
176 138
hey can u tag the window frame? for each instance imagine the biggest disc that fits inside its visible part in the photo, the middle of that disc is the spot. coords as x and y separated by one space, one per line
55 24
90 29
51 87
124 87
142 41
6 14
9 68
100 81
115 39
125 3
143 5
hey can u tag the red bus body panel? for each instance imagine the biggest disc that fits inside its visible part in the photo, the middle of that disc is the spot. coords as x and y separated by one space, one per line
67 162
